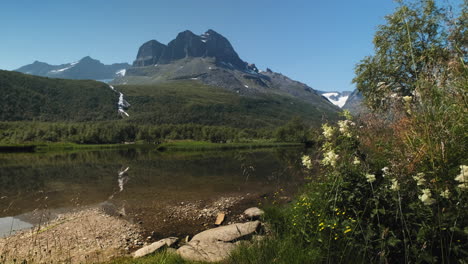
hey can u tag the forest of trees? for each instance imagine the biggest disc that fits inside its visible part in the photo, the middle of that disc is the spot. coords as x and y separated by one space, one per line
119 132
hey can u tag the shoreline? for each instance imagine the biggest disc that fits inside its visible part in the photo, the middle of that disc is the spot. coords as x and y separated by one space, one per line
100 233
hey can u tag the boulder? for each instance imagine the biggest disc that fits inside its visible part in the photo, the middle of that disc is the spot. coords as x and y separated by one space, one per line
209 251
227 233
253 213
154 246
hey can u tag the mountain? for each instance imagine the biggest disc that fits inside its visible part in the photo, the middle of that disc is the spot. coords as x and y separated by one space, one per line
355 103
211 60
192 102
86 68
32 98
337 98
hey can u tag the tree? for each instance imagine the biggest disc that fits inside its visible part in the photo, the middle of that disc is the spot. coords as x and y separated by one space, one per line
413 46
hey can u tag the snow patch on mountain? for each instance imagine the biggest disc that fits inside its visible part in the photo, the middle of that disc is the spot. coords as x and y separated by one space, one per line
338 99
71 65
121 72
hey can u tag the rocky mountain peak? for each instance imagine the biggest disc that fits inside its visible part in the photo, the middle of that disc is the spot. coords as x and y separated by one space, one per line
149 53
88 59
187 44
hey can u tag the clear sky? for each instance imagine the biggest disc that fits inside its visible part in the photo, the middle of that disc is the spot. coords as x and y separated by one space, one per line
315 42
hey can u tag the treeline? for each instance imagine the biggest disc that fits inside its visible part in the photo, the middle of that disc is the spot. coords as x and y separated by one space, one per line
118 132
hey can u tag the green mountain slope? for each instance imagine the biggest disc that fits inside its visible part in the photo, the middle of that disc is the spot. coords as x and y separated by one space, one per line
32 98
181 102
27 98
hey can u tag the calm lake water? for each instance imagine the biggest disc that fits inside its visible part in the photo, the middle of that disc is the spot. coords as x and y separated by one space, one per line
135 180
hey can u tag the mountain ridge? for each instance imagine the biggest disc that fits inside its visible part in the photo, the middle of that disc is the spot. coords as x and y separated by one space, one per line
209 58
85 68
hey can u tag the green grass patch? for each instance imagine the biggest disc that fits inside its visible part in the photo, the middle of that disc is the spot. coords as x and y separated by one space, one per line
163 257
189 145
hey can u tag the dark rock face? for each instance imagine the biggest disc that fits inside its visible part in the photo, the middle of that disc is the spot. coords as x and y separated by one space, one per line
149 53
220 48
187 44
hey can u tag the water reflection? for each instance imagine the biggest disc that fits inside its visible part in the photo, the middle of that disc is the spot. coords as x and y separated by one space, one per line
122 178
145 179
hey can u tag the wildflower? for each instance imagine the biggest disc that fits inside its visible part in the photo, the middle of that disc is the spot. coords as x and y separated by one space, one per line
426 197
344 127
407 99
384 171
445 194
356 161
463 177
370 178
307 162
330 158
419 178
347 230
395 185
347 114
327 131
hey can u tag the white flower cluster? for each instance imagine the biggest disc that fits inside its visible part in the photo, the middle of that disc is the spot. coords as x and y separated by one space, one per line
463 177
330 158
356 161
426 197
328 131
445 194
344 127
370 178
384 171
307 162
395 185
419 178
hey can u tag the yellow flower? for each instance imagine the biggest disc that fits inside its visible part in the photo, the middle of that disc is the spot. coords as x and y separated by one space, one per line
347 230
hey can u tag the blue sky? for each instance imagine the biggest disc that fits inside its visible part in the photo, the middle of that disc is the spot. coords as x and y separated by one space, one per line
315 42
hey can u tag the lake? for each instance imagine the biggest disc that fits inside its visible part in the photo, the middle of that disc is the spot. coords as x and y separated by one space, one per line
143 186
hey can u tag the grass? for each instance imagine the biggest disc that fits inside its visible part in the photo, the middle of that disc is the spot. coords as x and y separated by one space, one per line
162 257
61 147
189 145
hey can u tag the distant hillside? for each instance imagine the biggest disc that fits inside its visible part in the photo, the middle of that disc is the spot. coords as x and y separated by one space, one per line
32 98
189 101
86 68
27 97
210 59
337 98
355 103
